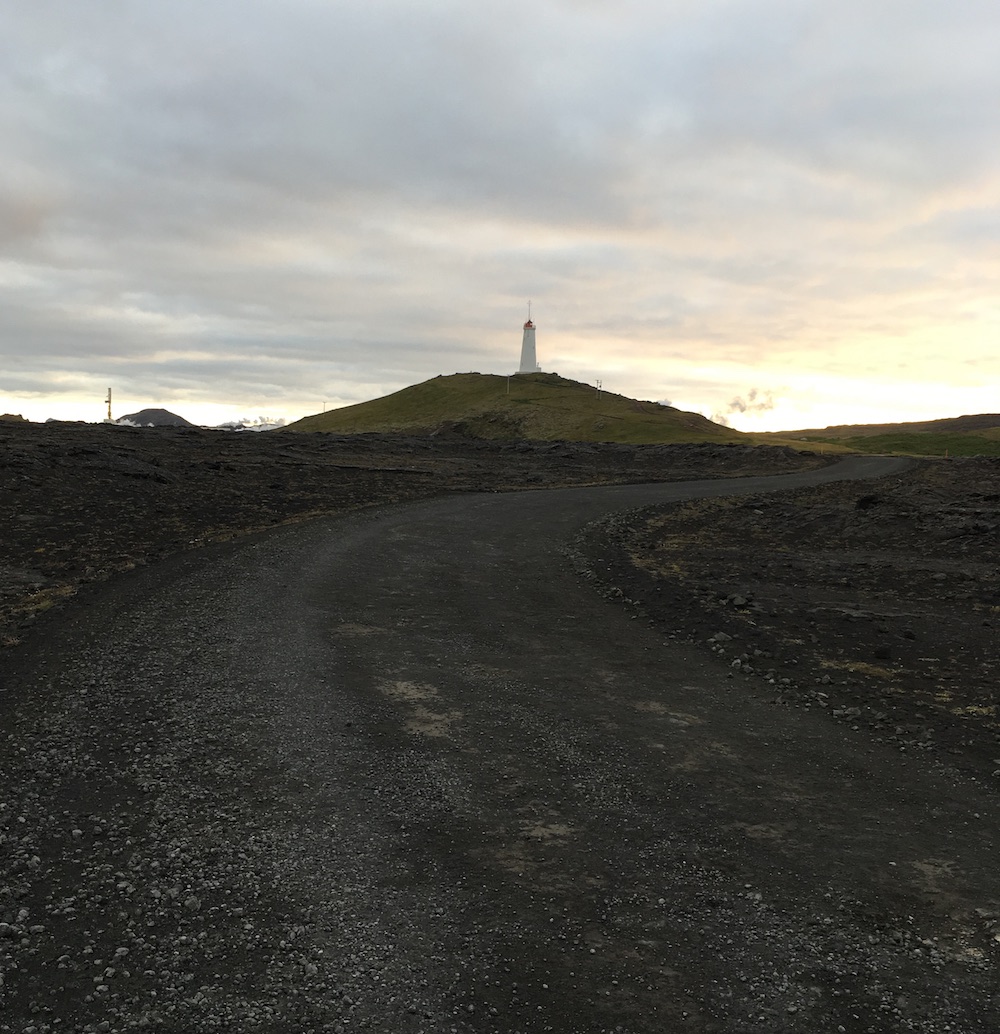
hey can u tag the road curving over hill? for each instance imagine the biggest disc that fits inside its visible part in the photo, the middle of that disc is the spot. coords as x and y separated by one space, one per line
407 771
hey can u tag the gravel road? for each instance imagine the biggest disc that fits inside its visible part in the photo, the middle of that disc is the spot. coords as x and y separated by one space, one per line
407 771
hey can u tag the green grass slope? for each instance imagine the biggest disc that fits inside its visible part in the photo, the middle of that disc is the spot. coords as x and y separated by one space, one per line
980 423
977 435
539 406
926 443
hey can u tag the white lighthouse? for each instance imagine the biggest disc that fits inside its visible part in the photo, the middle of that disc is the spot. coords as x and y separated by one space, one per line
528 362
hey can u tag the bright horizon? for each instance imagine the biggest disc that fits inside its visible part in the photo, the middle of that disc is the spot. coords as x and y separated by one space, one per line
214 414
779 215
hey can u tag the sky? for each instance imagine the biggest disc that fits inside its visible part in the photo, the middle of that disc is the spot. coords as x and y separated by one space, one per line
779 213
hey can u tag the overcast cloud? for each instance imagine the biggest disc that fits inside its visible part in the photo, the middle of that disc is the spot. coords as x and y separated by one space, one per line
266 206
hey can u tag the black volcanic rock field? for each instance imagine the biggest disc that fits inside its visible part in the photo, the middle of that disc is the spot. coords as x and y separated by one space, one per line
339 778
79 502
878 602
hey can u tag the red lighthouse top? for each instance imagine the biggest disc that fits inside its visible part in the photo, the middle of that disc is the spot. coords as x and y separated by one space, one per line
529 325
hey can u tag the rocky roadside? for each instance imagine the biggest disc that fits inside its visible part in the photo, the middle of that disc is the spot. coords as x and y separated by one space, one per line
878 603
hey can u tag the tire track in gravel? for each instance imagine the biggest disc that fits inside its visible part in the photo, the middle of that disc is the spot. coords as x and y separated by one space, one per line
406 771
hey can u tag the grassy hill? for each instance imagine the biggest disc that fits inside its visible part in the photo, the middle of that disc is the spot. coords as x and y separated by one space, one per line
927 443
962 424
977 435
539 406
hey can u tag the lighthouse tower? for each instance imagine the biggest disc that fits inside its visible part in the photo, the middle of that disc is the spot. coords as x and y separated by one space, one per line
528 361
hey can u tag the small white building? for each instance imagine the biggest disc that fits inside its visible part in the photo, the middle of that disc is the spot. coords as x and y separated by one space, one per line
528 362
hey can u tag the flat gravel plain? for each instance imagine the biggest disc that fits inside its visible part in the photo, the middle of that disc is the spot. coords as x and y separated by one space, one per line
407 770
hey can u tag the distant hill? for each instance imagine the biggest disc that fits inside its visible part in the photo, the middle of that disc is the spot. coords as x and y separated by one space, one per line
980 422
976 435
154 418
538 406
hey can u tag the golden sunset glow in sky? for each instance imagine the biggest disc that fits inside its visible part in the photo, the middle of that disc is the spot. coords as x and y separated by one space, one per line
778 213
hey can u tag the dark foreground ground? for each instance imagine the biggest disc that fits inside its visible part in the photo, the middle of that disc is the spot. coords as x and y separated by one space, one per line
864 609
